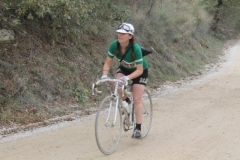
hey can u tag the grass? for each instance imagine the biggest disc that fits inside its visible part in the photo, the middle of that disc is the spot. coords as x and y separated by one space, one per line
41 80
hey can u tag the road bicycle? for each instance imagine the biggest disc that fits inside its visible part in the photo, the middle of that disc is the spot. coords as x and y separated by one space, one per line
112 117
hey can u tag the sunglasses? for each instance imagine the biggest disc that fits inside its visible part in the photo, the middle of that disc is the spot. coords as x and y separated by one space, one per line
124 27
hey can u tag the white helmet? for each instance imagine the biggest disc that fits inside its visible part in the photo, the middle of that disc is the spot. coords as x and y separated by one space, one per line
125 28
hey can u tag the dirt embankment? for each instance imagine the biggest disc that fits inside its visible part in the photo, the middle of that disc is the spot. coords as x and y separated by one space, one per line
193 119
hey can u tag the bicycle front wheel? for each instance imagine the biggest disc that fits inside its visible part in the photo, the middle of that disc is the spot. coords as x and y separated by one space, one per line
147 114
108 125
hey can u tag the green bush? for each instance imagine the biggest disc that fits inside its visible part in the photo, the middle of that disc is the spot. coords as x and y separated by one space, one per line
64 18
81 94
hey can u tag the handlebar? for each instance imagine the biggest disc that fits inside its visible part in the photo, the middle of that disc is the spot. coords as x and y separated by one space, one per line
95 85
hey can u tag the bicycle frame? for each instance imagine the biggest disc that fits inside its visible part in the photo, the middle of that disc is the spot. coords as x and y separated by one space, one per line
115 95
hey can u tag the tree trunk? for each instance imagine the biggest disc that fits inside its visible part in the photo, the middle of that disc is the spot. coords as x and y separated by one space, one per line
149 11
216 18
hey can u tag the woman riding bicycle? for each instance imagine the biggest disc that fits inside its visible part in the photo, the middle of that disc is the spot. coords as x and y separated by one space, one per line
133 67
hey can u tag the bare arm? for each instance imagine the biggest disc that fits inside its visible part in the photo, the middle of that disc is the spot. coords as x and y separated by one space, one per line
136 73
106 66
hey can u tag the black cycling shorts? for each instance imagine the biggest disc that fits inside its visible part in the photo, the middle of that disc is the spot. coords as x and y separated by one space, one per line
142 79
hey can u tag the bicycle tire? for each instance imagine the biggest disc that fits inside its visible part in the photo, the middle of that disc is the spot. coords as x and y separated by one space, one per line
147 114
108 135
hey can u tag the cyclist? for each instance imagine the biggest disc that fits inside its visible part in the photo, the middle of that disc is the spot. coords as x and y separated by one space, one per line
133 67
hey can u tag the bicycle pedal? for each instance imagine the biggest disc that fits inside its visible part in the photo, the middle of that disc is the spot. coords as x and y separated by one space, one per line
127 129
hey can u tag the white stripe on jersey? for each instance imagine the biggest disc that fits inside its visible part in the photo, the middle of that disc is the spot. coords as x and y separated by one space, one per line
138 60
110 54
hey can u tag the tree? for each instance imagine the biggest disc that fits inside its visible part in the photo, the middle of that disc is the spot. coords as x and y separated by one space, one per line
225 14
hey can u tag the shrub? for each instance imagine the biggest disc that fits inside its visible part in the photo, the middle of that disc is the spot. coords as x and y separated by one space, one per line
81 94
63 19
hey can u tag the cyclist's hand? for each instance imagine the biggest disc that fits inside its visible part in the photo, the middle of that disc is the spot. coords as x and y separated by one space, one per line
104 77
124 79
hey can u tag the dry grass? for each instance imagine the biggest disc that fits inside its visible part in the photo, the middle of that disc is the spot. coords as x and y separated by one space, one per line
41 81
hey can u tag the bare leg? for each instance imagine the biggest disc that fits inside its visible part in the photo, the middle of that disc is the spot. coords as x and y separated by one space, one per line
138 91
119 75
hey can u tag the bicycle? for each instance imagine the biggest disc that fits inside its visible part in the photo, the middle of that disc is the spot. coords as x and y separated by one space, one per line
109 122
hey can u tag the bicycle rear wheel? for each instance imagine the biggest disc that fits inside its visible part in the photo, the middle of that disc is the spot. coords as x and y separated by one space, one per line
147 114
108 125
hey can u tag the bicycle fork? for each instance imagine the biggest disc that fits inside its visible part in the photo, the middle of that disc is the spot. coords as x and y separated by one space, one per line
109 112
114 96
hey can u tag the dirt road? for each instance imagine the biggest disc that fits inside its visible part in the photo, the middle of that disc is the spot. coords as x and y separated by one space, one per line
199 121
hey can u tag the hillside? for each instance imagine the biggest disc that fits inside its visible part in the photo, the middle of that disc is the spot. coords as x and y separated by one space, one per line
50 61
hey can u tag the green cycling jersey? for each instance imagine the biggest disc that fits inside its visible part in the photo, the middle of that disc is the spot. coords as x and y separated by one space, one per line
128 62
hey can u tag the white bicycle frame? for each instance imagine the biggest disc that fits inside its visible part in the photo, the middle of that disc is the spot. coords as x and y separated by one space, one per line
114 95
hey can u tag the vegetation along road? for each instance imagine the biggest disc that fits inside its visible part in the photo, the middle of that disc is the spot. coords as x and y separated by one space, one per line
198 121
